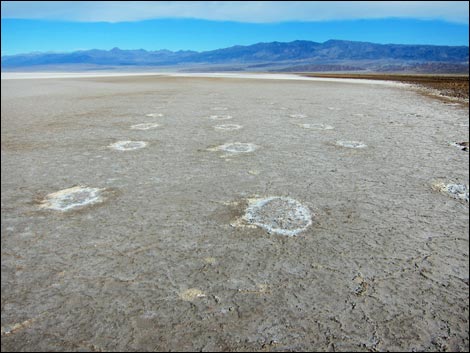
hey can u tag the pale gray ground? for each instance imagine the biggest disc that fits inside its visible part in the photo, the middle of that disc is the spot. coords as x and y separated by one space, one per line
158 266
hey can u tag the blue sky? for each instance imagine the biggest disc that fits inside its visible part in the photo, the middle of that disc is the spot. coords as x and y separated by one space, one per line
65 26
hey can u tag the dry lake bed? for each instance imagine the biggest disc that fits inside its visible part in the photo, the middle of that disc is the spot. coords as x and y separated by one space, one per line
156 213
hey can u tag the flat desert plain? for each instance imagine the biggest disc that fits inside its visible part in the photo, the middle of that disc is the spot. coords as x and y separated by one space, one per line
156 213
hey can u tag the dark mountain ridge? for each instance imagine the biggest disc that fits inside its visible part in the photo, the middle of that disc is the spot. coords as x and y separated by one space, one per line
338 53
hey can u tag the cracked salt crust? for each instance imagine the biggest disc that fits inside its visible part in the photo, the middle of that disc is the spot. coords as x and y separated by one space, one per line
67 199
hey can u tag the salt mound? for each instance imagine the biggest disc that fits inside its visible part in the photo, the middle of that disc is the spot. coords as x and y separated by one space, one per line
316 126
281 215
220 117
351 144
145 126
67 199
457 191
235 147
127 145
228 127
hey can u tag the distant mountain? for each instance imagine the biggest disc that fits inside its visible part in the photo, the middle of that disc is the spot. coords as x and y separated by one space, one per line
332 55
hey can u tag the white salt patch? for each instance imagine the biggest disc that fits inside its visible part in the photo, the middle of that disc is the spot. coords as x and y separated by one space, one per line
460 145
334 108
228 127
191 294
219 108
145 126
67 199
457 191
298 116
154 115
236 147
316 126
351 144
281 215
128 145
220 117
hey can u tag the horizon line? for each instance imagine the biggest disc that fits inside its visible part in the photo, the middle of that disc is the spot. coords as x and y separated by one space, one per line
236 45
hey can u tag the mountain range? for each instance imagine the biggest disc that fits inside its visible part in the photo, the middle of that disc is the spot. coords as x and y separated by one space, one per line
332 55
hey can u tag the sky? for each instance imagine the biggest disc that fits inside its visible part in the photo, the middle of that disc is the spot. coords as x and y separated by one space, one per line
64 26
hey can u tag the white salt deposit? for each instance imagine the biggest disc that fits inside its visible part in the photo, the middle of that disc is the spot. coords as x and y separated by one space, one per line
67 199
316 126
220 117
228 127
457 191
236 147
145 126
127 145
351 144
280 215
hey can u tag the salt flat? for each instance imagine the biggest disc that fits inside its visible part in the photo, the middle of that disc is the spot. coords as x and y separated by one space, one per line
156 244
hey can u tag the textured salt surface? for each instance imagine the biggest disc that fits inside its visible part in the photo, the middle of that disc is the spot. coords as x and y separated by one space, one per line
154 115
128 145
280 215
385 268
298 116
67 199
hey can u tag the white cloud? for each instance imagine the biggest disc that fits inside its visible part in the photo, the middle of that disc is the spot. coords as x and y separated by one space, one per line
240 11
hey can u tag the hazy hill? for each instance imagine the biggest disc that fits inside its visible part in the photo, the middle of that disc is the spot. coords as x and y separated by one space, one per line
332 55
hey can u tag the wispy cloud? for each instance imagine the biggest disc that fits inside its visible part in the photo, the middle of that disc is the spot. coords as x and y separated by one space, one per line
240 11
